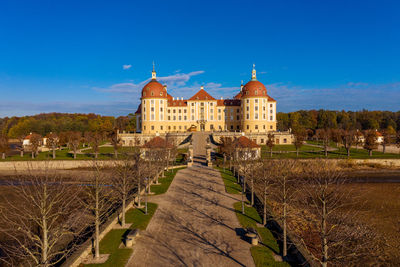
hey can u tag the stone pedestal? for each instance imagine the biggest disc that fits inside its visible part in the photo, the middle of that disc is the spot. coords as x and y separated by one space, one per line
190 160
208 155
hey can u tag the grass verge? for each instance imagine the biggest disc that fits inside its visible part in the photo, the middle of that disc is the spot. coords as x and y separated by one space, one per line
263 253
110 243
165 182
231 186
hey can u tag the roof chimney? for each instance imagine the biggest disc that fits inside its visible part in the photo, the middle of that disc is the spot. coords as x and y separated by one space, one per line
202 87
165 87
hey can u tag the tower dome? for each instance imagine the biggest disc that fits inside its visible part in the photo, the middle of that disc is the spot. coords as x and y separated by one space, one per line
254 88
154 89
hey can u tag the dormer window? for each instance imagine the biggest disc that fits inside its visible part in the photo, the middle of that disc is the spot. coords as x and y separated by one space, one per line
256 92
160 93
152 93
144 93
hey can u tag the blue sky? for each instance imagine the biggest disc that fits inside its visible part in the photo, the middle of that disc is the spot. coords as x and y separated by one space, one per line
94 56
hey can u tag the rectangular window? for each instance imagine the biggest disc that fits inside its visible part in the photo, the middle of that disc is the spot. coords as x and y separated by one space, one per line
231 127
237 117
256 116
248 101
174 127
256 127
169 127
169 111
152 102
185 118
192 104
179 111
161 109
264 127
174 118
211 111
247 116
219 110
192 118
262 141
180 118
212 117
152 117
256 101
237 110
184 111
161 117
256 108
169 118
271 118
152 127
180 127
247 108
152 109
161 127
270 127
237 127
270 105
211 126
219 117
264 117
247 127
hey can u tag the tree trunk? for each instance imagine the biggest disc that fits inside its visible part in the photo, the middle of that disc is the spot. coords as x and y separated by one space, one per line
271 152
242 201
97 225
54 153
252 192
265 206
348 152
33 154
326 150
284 231
123 210
297 152
3 155
74 154
115 153
324 240
383 148
22 153
45 241
370 152
95 155
139 204
145 211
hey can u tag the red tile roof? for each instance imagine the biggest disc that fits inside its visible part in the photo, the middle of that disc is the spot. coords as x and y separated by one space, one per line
271 99
244 142
202 95
228 102
157 142
177 103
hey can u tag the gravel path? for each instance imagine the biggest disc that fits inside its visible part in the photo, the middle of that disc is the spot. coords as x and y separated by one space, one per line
195 224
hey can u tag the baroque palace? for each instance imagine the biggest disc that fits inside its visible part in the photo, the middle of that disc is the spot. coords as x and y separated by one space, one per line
252 110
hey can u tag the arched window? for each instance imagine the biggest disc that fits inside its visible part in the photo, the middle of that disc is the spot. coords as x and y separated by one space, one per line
152 93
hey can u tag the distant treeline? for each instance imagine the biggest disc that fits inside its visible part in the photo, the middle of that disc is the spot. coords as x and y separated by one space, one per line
348 120
42 124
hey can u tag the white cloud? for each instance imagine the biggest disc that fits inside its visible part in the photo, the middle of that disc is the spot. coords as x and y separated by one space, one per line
126 67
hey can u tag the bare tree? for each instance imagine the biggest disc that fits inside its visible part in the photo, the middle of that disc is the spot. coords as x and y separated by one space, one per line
265 176
387 139
35 142
115 141
227 148
341 238
98 201
270 143
40 218
95 141
299 137
325 135
123 182
74 141
348 138
52 143
283 191
21 147
370 141
4 146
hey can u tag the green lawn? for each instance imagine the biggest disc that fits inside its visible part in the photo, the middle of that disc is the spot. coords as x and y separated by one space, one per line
165 182
110 150
231 186
263 253
110 243
60 155
290 148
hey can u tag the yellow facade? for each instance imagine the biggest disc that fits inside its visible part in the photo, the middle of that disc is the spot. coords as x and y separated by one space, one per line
202 112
